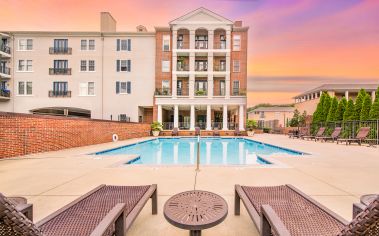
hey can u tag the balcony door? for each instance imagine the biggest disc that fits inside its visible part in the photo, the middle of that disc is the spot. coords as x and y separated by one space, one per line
222 87
201 85
61 43
60 64
179 87
60 87
201 65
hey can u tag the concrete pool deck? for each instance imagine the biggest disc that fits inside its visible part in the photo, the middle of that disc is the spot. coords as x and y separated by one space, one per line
335 175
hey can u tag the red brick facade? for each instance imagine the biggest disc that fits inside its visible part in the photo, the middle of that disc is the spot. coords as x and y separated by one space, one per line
241 56
23 134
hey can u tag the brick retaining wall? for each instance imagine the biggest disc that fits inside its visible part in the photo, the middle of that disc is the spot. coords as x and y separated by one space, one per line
22 134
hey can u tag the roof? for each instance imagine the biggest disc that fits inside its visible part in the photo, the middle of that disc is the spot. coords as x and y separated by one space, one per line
187 18
273 109
340 88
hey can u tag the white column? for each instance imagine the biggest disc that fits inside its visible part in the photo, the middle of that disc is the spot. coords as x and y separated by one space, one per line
159 114
174 39
320 93
176 116
210 39
191 84
373 95
209 117
347 95
192 39
210 86
228 39
225 117
227 85
174 86
241 120
192 118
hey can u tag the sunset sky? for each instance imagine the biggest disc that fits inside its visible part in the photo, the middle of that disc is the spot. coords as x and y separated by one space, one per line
294 45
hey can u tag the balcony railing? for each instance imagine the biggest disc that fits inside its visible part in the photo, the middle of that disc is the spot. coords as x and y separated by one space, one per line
201 44
219 92
182 92
5 93
201 125
219 68
59 71
217 125
162 92
184 125
201 68
182 45
201 93
60 50
63 94
182 67
239 92
219 45
5 49
167 125
5 70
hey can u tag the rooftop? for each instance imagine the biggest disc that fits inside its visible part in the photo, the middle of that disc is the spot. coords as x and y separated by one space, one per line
274 109
340 88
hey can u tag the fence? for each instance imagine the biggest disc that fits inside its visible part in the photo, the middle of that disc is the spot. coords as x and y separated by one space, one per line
350 128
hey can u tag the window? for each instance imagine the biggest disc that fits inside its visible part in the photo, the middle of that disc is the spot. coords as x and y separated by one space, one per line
165 66
236 42
236 87
91 44
87 89
91 65
123 65
25 65
222 87
25 44
60 64
123 87
165 84
25 88
166 42
83 44
236 66
83 65
124 44
61 44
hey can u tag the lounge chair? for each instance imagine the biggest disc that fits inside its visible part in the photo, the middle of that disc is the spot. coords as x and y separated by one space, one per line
302 132
216 132
237 132
359 138
106 210
285 210
174 132
334 136
319 133
197 131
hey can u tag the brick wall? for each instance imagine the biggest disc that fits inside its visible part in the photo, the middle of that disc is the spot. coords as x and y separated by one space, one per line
242 57
22 134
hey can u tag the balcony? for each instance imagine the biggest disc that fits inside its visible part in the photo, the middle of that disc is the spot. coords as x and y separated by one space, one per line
182 67
201 44
5 95
5 72
59 94
182 45
6 51
201 67
201 93
182 92
60 50
219 68
162 92
219 45
59 71
239 92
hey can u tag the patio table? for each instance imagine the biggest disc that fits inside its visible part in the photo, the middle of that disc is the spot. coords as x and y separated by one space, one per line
195 210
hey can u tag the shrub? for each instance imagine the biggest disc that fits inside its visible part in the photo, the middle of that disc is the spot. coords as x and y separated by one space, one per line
251 124
374 111
349 112
366 106
156 126
266 130
326 107
341 109
358 104
332 110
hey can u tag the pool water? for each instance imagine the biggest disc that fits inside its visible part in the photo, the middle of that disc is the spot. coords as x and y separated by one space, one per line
213 151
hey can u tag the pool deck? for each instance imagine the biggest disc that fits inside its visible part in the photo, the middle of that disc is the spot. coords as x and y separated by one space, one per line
335 175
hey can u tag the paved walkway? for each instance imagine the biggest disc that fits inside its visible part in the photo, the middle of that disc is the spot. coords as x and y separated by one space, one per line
335 175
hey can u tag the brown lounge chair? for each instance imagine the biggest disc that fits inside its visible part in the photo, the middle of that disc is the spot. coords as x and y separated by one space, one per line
237 132
285 210
302 132
216 132
174 132
334 136
319 133
106 210
359 138
197 131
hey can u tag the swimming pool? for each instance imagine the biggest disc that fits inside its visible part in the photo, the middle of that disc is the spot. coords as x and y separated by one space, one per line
213 151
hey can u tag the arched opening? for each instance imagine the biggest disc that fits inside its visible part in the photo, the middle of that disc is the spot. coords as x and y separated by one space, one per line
201 38
182 41
219 39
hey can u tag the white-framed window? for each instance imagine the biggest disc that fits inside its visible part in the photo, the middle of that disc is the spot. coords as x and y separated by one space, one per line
236 87
123 87
124 45
25 44
91 65
91 45
87 89
165 66
83 44
165 84
123 65
236 42
25 88
236 66
25 65
87 65
83 65
87 45
166 43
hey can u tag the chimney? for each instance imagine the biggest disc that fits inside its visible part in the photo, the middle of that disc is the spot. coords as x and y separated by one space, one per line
238 23
107 22
141 28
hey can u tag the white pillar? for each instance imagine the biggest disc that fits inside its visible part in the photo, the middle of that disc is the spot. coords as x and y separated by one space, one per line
209 116
227 86
192 118
174 86
192 75
347 95
241 120
228 39
174 39
210 39
210 86
159 114
176 116
192 39
373 95
225 117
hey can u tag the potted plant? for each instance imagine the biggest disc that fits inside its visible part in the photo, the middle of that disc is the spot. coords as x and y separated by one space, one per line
251 125
156 127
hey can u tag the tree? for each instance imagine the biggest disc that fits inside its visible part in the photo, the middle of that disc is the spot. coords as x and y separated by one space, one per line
366 106
349 112
326 107
358 104
332 110
377 94
374 111
302 119
341 109
294 122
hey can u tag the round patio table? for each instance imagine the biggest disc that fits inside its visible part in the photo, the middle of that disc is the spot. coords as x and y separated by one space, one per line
367 199
195 210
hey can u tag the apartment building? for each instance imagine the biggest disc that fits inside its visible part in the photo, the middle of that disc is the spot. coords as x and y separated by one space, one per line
190 73
272 117
200 72
308 100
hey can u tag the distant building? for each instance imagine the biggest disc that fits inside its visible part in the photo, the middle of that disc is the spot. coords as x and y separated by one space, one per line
308 100
271 117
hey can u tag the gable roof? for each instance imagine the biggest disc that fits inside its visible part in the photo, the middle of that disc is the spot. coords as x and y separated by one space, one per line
201 14
340 88
273 109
